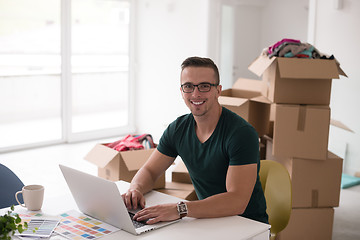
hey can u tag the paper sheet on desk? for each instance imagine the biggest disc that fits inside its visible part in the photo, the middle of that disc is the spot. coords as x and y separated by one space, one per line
75 225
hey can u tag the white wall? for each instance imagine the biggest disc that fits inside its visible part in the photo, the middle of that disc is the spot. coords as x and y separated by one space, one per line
167 32
337 32
247 39
227 47
284 19
260 24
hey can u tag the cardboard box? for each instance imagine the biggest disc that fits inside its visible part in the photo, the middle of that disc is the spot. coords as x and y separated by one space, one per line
181 190
297 80
250 105
301 131
314 183
180 173
262 150
309 224
271 129
115 166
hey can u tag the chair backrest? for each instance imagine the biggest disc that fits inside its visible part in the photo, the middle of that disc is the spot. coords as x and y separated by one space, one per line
9 185
276 184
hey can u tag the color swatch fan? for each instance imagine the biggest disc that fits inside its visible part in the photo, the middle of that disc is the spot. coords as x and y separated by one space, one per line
39 228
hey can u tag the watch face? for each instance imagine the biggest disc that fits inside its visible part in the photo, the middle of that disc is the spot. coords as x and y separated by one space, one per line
182 208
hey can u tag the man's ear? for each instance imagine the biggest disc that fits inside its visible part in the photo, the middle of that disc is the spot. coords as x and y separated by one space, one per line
219 88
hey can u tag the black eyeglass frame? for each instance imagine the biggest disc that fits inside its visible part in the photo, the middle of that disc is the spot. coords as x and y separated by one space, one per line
197 85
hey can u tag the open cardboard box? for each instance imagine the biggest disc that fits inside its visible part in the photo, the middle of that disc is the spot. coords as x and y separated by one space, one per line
181 190
297 80
301 131
309 223
314 183
115 166
249 104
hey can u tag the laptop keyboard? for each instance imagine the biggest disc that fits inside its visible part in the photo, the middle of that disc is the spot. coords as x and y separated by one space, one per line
136 224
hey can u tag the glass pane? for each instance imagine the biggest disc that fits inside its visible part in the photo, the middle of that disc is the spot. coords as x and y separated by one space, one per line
100 64
103 102
29 71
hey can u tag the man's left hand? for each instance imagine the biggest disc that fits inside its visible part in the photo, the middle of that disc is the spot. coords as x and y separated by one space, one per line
158 213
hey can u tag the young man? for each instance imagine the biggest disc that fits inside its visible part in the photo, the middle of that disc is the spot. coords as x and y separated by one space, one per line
219 148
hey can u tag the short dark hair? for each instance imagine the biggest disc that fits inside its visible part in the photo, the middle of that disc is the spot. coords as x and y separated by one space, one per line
201 62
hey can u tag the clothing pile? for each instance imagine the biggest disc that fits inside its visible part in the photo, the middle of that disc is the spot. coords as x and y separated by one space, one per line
293 48
132 142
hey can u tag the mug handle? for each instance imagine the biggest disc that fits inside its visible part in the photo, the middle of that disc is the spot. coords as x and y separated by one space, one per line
18 199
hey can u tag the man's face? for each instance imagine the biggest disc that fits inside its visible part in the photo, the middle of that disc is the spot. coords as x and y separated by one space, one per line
200 103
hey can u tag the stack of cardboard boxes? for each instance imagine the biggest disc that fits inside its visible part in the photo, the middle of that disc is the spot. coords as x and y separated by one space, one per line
298 138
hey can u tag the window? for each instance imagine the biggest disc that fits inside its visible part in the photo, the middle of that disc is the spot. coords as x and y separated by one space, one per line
64 71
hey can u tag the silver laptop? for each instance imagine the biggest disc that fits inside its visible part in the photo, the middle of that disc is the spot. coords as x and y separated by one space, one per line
101 199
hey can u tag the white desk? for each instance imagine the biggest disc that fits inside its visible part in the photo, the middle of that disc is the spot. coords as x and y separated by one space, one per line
234 227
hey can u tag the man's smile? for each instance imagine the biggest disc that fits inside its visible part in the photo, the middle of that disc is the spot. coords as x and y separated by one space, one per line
197 103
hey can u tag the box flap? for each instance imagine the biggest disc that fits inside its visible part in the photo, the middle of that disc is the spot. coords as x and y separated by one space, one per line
261 64
232 101
188 193
261 99
101 155
307 68
341 72
239 93
249 84
339 124
331 155
135 159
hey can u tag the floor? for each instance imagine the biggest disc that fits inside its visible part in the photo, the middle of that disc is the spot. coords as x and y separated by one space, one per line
347 215
40 166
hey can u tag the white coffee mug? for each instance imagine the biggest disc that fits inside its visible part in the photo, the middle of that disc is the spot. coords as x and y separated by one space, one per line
33 196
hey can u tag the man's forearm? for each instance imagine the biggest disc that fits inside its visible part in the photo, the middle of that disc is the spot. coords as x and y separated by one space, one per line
143 181
219 205
154 167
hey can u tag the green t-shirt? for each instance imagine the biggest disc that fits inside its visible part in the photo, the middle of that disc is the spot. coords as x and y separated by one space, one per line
233 142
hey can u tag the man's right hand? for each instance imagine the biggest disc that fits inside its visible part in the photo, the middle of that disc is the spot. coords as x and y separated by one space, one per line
134 199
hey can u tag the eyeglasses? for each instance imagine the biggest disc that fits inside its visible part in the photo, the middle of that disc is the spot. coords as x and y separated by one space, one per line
202 87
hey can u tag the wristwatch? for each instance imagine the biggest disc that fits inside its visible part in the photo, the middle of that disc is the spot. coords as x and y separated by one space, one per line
182 209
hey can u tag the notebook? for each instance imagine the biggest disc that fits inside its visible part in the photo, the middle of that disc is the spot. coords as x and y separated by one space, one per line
101 199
